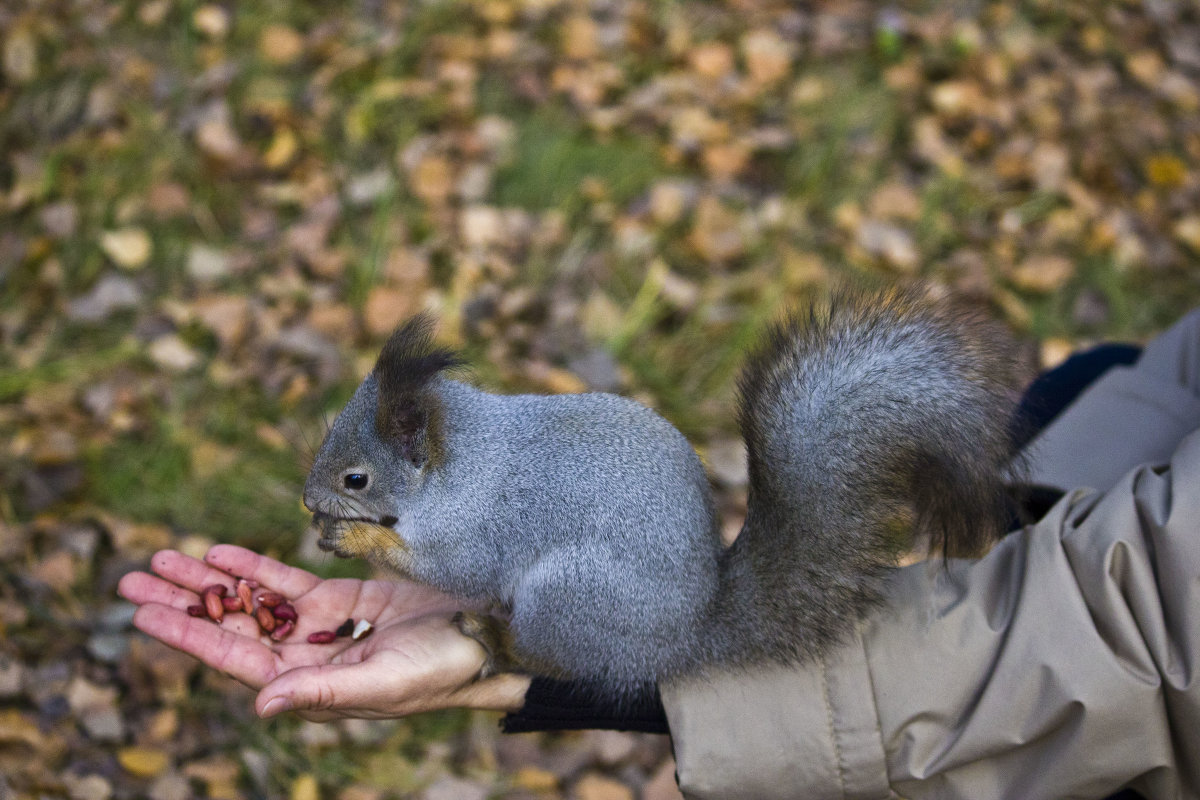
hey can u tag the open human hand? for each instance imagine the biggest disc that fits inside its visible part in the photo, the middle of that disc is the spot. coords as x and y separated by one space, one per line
415 660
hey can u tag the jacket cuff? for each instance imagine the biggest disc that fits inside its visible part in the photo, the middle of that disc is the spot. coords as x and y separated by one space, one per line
764 732
552 705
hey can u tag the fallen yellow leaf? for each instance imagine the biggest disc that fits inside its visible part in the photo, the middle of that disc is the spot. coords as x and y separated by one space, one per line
1166 170
282 149
305 788
144 762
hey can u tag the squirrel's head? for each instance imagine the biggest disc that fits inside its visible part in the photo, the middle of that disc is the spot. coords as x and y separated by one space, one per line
384 441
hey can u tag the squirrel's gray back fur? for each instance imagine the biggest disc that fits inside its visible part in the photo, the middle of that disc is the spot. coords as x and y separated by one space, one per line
589 517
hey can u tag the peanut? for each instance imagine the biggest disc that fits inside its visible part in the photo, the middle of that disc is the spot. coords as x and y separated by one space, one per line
280 633
245 594
266 620
321 637
285 611
219 589
214 606
232 603
270 599
197 611
362 630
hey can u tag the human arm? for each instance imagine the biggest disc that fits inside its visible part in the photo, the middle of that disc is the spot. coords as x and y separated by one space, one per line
414 661
1063 664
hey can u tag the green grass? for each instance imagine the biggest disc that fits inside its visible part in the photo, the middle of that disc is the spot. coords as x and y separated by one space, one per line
554 155
151 478
250 495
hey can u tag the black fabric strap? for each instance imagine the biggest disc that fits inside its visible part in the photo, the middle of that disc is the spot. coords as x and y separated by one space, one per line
552 705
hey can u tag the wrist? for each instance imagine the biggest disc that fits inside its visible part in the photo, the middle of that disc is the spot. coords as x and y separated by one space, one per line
504 692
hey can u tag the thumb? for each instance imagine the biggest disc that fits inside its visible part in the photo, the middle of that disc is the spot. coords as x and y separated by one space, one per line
328 687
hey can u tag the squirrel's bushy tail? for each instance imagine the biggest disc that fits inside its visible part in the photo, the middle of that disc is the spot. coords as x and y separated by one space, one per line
875 420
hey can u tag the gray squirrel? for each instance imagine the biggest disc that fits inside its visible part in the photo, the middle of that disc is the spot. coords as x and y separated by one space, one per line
588 520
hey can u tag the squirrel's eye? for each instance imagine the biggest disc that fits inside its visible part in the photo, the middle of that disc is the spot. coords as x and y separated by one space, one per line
355 480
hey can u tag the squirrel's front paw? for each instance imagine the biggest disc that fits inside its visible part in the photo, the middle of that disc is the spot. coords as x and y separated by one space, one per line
496 639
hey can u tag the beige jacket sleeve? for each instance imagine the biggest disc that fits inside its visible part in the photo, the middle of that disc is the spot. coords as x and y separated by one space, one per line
1062 665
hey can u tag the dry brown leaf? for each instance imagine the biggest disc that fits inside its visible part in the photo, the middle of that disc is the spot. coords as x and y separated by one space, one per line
387 307
152 13
726 160
219 774
890 242
1043 274
433 180
128 248
535 779
171 353
556 380
207 264
716 234
768 56
956 98
58 570
662 785
226 315
1187 230
167 200
579 38
895 200
335 320
211 20
712 60
20 55
1055 351
594 786
669 201
217 138
280 44
481 226
1147 66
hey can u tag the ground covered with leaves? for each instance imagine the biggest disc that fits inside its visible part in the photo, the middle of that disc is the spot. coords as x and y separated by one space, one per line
211 214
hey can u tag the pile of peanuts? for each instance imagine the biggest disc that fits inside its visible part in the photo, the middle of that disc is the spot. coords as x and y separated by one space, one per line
273 613
276 617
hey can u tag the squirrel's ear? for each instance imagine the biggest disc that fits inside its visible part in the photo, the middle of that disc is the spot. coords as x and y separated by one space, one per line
407 412
408 432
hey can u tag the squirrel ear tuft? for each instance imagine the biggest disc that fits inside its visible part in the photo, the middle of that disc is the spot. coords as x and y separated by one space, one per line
407 364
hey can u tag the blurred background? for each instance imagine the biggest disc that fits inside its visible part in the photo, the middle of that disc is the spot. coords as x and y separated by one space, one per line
212 214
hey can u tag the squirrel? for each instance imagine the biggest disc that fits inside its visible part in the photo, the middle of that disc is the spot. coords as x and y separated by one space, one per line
876 418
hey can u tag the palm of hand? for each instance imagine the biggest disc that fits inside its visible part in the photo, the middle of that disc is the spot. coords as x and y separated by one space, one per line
415 660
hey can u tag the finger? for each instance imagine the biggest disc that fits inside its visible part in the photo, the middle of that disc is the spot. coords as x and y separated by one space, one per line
243 657
141 588
419 669
186 571
362 689
288 581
